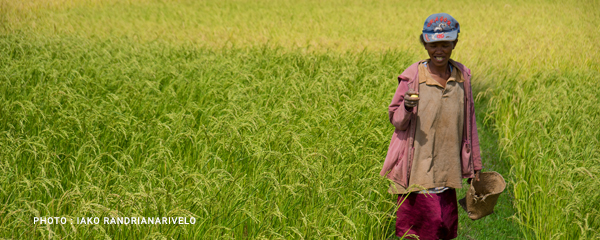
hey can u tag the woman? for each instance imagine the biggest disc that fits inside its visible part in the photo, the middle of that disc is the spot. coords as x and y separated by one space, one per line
435 143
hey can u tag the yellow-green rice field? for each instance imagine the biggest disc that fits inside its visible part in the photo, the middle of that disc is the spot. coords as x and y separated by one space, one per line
268 119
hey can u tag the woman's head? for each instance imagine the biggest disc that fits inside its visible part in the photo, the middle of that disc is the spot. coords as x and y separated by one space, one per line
439 37
422 40
440 27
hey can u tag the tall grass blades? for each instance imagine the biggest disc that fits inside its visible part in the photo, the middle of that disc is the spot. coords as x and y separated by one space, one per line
267 119
549 127
252 143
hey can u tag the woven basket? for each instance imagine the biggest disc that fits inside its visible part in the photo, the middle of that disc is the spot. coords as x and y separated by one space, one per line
483 195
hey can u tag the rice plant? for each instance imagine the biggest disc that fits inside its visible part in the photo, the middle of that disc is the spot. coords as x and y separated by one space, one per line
268 120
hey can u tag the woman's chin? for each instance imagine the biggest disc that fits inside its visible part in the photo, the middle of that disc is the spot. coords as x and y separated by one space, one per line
439 63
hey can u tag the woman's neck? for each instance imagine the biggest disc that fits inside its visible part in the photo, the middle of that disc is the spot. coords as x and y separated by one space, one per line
440 71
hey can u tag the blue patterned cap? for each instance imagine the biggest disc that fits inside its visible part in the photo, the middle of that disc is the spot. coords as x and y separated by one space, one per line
440 27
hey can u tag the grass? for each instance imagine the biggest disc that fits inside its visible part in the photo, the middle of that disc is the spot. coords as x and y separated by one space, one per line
268 120
551 138
250 142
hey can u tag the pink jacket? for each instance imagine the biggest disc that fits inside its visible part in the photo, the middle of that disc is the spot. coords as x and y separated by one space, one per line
399 157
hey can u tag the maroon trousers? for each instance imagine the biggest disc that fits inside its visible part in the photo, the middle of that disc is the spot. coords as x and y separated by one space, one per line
429 216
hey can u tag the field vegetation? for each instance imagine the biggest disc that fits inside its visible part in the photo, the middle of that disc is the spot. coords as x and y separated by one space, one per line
267 120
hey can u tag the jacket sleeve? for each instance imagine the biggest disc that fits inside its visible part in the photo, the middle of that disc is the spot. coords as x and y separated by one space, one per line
476 152
399 116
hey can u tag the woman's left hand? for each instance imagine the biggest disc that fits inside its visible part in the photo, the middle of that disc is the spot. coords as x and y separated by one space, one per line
476 177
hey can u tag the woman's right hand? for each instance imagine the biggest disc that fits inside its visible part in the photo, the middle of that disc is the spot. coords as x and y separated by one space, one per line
410 102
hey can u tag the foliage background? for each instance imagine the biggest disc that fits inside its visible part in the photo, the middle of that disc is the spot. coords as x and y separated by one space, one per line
267 119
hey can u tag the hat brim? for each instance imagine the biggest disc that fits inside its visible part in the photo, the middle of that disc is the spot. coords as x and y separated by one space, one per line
440 36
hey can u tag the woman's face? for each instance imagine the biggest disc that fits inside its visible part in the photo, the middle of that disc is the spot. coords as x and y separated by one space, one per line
439 52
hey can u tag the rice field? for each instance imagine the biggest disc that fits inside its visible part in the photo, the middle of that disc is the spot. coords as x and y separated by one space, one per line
268 120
